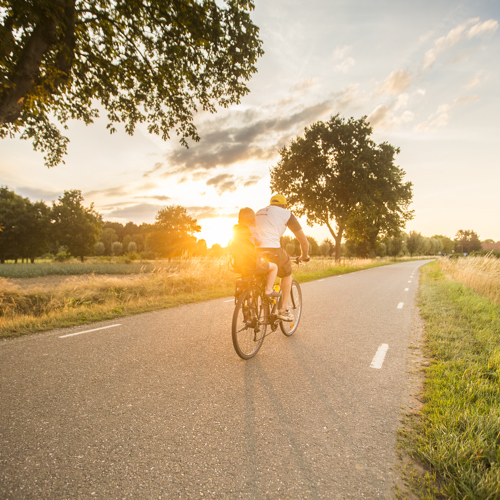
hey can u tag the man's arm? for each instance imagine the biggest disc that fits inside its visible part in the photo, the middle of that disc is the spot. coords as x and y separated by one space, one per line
304 244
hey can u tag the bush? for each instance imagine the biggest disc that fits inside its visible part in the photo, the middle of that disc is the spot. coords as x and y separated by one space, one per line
116 248
484 253
99 248
132 256
62 256
132 247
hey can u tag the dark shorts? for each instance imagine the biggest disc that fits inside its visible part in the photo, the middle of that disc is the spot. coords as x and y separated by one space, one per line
281 258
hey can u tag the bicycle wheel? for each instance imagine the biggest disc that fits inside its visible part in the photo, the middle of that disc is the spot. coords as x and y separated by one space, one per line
289 327
249 323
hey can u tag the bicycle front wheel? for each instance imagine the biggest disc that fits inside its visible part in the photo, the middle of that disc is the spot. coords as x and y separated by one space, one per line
249 323
290 327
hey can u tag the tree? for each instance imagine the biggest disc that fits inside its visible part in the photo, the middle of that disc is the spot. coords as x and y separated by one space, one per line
108 237
466 241
99 248
117 248
326 248
143 61
447 244
313 246
414 243
334 170
384 209
26 227
76 226
172 232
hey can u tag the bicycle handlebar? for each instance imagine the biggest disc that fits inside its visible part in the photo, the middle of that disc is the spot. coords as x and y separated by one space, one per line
299 261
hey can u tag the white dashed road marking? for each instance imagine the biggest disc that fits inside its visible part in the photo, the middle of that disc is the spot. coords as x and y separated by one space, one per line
400 305
378 359
87 331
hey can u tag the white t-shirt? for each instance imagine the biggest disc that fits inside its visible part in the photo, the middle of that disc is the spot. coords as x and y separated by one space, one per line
272 222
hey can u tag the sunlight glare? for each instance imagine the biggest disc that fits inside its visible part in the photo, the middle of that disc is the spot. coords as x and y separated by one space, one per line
218 230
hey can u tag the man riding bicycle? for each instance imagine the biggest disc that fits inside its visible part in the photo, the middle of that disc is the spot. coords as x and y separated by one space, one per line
272 221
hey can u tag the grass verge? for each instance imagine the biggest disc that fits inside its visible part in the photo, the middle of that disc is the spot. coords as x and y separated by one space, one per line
456 436
105 297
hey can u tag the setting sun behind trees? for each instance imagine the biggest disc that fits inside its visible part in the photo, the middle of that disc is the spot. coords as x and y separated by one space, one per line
217 230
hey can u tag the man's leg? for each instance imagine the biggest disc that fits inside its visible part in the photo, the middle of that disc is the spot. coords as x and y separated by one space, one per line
286 286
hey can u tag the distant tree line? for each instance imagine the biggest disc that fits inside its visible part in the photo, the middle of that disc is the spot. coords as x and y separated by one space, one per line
29 230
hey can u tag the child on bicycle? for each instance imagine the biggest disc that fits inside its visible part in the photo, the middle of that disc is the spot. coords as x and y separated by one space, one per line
245 231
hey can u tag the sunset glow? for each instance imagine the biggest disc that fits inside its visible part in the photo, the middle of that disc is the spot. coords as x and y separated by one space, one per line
218 230
421 72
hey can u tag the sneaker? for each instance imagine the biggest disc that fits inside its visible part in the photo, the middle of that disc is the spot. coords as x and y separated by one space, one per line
273 295
285 315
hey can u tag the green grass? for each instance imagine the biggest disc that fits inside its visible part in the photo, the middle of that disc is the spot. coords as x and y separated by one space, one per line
457 435
71 269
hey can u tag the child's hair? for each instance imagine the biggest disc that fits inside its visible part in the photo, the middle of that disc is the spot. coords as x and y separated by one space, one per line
246 216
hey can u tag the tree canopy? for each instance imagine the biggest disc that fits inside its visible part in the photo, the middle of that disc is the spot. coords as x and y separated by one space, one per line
75 226
24 226
336 175
173 232
466 241
142 61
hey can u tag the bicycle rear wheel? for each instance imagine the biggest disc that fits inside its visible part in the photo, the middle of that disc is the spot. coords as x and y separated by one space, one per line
290 327
249 323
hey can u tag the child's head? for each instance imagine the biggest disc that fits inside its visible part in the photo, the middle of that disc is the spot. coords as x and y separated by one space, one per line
246 216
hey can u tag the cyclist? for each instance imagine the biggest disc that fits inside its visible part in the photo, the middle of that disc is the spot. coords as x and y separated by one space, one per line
246 239
271 222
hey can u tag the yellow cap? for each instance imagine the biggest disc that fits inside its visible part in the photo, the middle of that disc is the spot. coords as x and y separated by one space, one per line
278 199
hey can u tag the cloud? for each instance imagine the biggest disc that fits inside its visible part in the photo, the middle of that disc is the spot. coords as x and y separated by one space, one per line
348 97
479 29
385 117
110 192
456 35
135 213
345 65
229 183
253 179
38 194
159 197
341 52
395 83
158 166
303 85
472 82
205 212
441 117
246 137
223 183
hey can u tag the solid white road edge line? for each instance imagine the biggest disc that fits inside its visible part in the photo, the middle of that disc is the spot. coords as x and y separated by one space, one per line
231 300
400 305
87 331
378 359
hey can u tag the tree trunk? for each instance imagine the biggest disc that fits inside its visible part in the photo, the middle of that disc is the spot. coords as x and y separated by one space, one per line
338 240
24 77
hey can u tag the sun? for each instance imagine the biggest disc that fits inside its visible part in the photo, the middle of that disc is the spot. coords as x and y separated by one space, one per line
217 230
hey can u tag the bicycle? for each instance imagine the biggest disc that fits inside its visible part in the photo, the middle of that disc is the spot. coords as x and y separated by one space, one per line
254 312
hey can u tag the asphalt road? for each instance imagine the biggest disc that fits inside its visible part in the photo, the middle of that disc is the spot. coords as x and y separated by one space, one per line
161 406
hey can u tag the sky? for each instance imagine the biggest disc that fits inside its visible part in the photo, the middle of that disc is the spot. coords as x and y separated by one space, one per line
426 74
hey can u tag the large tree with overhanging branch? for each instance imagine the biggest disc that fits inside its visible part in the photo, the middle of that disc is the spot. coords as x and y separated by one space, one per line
143 61
338 177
